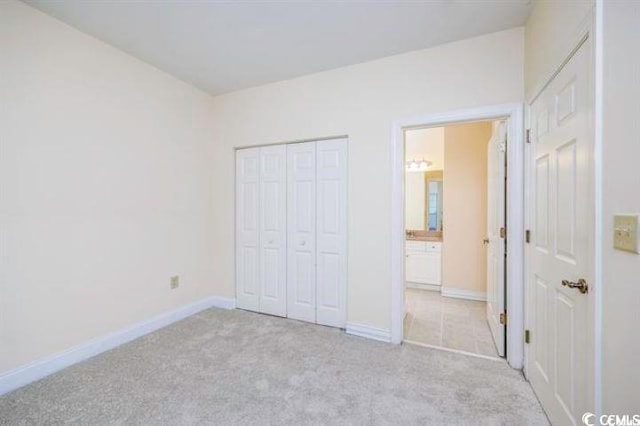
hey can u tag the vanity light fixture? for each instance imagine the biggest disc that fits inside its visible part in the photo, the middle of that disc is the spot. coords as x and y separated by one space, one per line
418 166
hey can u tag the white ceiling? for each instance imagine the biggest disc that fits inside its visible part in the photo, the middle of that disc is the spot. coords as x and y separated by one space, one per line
222 46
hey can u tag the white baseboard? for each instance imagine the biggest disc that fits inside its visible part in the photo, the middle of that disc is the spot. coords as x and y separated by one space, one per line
25 374
222 302
368 332
459 293
428 287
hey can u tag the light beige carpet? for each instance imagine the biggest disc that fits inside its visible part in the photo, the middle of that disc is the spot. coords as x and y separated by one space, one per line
235 367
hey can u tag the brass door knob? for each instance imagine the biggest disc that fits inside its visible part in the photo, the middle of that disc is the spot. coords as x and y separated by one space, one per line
581 285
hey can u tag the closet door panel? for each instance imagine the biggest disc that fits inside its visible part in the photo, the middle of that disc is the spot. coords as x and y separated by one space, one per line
331 247
247 235
301 231
273 231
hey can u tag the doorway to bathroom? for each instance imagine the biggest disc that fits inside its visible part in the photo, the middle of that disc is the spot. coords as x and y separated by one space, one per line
457 190
454 275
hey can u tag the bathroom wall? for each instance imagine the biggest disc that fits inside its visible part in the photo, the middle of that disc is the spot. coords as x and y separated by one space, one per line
464 265
415 199
420 144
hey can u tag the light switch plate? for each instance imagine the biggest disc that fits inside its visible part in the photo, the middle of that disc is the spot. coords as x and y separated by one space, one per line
625 233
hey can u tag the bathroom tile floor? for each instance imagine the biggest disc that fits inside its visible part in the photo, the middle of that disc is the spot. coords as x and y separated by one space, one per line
447 322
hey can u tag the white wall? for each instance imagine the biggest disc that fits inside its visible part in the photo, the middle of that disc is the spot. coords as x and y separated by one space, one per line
115 176
106 188
621 195
360 101
550 35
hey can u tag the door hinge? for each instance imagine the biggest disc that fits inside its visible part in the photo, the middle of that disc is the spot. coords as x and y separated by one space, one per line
527 236
503 318
528 136
503 232
527 336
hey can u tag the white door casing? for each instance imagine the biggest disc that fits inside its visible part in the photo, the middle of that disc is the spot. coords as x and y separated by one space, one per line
331 245
301 231
273 230
560 355
515 216
496 153
247 225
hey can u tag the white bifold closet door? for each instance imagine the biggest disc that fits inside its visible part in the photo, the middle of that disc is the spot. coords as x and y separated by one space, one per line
317 231
247 231
291 230
261 229
301 231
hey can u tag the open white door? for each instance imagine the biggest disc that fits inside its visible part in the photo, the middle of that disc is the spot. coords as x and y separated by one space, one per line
560 255
496 152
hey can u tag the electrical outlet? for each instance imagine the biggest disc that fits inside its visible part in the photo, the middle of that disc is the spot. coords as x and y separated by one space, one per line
625 233
175 282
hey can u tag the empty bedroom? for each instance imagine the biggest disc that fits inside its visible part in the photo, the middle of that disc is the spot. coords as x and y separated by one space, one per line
219 212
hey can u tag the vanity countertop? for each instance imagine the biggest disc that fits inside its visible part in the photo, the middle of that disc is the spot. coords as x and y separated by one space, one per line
422 235
419 238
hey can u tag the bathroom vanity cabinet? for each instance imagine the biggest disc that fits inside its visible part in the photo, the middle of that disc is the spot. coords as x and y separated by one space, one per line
423 263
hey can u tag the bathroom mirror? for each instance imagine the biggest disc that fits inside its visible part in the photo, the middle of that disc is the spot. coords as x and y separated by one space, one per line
433 203
424 197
